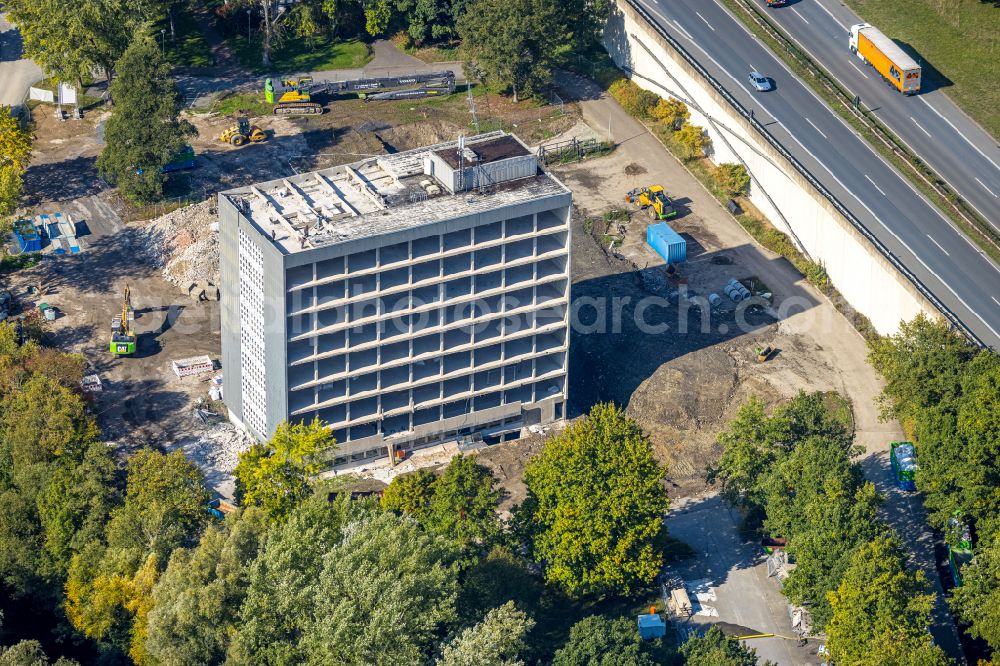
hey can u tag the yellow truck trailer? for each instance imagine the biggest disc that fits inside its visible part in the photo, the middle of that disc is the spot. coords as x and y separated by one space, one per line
874 48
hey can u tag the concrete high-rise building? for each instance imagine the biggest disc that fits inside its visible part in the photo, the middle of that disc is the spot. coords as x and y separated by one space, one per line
404 300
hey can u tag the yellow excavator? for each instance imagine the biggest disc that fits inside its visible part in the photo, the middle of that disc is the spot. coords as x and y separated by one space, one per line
243 132
653 197
122 335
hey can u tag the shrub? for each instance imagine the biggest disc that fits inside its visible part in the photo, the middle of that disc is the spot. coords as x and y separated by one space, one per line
732 178
635 100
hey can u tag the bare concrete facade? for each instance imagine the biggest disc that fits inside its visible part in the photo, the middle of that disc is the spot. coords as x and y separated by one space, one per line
402 315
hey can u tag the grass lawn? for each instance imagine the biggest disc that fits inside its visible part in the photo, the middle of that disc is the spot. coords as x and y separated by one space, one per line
253 103
429 54
295 56
188 48
960 39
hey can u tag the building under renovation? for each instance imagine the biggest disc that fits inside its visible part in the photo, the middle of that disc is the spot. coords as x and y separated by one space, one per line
404 300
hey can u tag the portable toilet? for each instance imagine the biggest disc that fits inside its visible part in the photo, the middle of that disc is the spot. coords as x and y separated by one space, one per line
651 626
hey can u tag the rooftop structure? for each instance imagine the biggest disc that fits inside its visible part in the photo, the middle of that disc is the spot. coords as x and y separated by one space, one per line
404 300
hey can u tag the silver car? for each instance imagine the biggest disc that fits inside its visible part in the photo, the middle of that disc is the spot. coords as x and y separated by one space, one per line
759 82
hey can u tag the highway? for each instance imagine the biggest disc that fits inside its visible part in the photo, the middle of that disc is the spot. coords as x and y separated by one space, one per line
911 227
933 126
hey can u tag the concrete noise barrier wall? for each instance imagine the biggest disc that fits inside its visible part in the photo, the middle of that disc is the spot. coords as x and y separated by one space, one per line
869 277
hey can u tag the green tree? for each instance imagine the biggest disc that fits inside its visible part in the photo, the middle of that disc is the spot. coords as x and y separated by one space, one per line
29 653
428 20
496 641
693 139
594 511
820 501
598 641
275 476
282 583
411 494
75 503
732 178
165 507
196 602
387 590
493 580
753 442
881 611
109 588
378 13
345 583
716 649
464 504
143 133
513 44
977 601
69 40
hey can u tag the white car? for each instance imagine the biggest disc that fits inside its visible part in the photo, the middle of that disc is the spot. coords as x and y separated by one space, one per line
759 82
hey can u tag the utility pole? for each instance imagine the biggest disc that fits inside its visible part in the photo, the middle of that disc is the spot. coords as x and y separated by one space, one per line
472 107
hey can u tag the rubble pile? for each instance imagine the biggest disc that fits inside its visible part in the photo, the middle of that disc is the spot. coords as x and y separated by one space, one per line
185 243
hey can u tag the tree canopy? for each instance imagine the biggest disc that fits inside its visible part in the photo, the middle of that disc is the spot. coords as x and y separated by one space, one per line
275 476
716 649
881 611
595 506
599 641
144 132
513 44
496 641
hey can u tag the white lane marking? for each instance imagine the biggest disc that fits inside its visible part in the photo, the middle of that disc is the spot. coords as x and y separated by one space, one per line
706 22
893 233
986 188
835 20
891 169
683 31
816 128
920 126
939 245
995 300
799 15
967 140
876 186
858 68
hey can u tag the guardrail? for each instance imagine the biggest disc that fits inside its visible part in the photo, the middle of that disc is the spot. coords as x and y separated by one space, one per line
805 173
886 136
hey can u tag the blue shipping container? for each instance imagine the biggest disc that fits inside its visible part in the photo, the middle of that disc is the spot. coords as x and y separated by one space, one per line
668 243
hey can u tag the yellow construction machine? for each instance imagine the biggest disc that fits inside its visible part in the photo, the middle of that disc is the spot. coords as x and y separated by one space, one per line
653 197
123 337
242 132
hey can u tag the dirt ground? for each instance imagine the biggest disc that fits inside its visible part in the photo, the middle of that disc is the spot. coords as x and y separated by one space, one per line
642 338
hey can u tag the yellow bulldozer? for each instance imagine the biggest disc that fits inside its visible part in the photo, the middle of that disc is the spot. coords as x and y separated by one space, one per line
243 132
653 197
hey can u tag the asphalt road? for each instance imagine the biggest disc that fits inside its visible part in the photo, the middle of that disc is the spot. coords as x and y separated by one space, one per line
933 126
16 74
913 229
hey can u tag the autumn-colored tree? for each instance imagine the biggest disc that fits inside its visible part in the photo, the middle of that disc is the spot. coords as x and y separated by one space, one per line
275 476
671 111
693 139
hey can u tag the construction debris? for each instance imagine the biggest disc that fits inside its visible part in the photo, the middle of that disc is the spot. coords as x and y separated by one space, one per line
91 384
185 244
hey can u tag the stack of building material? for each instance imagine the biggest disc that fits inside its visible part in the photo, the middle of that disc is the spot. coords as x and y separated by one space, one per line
196 365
